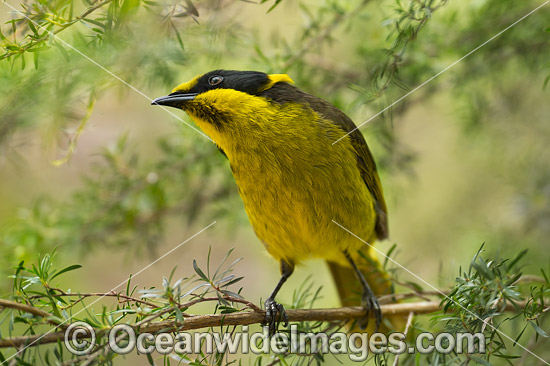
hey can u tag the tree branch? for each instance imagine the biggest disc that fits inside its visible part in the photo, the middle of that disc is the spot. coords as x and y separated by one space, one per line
246 318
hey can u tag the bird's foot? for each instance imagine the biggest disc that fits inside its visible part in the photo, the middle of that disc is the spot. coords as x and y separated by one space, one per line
274 314
370 303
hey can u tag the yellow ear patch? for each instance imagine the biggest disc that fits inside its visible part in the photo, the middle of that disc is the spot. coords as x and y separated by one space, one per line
274 79
184 87
277 78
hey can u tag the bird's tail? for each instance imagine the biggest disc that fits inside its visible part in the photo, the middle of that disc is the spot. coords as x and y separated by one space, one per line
349 288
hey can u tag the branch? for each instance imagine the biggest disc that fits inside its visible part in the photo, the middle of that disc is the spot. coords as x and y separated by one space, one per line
50 318
247 318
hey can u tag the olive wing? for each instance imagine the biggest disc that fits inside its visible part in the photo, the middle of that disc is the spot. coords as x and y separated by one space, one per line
285 93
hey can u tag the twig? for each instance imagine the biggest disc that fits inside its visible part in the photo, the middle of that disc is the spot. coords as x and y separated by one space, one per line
530 279
407 326
98 294
324 33
249 304
384 299
50 318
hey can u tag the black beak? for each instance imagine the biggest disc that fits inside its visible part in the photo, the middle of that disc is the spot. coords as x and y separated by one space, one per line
174 100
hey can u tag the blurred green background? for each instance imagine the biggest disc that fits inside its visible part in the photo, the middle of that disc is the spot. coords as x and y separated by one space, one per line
87 166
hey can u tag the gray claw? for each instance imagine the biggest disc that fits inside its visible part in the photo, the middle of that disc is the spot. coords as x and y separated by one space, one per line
274 314
370 303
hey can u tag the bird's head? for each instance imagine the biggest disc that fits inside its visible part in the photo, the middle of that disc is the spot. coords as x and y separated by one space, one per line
216 99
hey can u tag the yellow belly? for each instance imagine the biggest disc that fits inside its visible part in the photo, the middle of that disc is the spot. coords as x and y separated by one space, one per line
293 192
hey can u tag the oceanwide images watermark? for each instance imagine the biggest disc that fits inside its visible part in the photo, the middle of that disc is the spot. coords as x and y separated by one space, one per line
80 339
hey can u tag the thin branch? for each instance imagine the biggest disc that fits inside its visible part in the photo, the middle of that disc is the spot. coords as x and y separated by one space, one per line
338 19
246 318
98 294
188 304
50 318
407 327
92 9
385 299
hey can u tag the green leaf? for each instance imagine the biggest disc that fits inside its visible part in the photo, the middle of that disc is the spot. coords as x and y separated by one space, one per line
94 22
199 271
538 329
545 83
66 269
128 285
31 26
519 335
388 255
277 2
508 357
543 274
518 257
39 49
150 359
233 294
235 280
179 314
227 309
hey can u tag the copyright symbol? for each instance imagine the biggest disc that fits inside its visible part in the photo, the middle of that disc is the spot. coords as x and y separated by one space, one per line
74 338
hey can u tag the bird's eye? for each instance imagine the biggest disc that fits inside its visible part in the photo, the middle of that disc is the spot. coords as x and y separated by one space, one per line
215 80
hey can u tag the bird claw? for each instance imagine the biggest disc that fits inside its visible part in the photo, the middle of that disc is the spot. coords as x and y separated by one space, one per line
370 303
274 314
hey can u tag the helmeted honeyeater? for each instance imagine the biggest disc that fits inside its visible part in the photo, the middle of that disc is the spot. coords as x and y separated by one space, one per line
294 180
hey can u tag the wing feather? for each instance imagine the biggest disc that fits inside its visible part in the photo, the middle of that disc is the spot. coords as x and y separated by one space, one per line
284 93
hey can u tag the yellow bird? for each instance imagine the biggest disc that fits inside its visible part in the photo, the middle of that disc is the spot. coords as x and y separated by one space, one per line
294 180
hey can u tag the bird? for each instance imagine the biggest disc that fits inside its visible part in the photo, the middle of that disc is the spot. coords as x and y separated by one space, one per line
304 172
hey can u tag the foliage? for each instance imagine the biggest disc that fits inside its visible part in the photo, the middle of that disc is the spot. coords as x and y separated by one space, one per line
480 297
126 200
34 286
59 59
405 49
477 303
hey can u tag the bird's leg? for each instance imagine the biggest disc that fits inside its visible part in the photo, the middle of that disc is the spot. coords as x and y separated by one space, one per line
368 299
275 312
